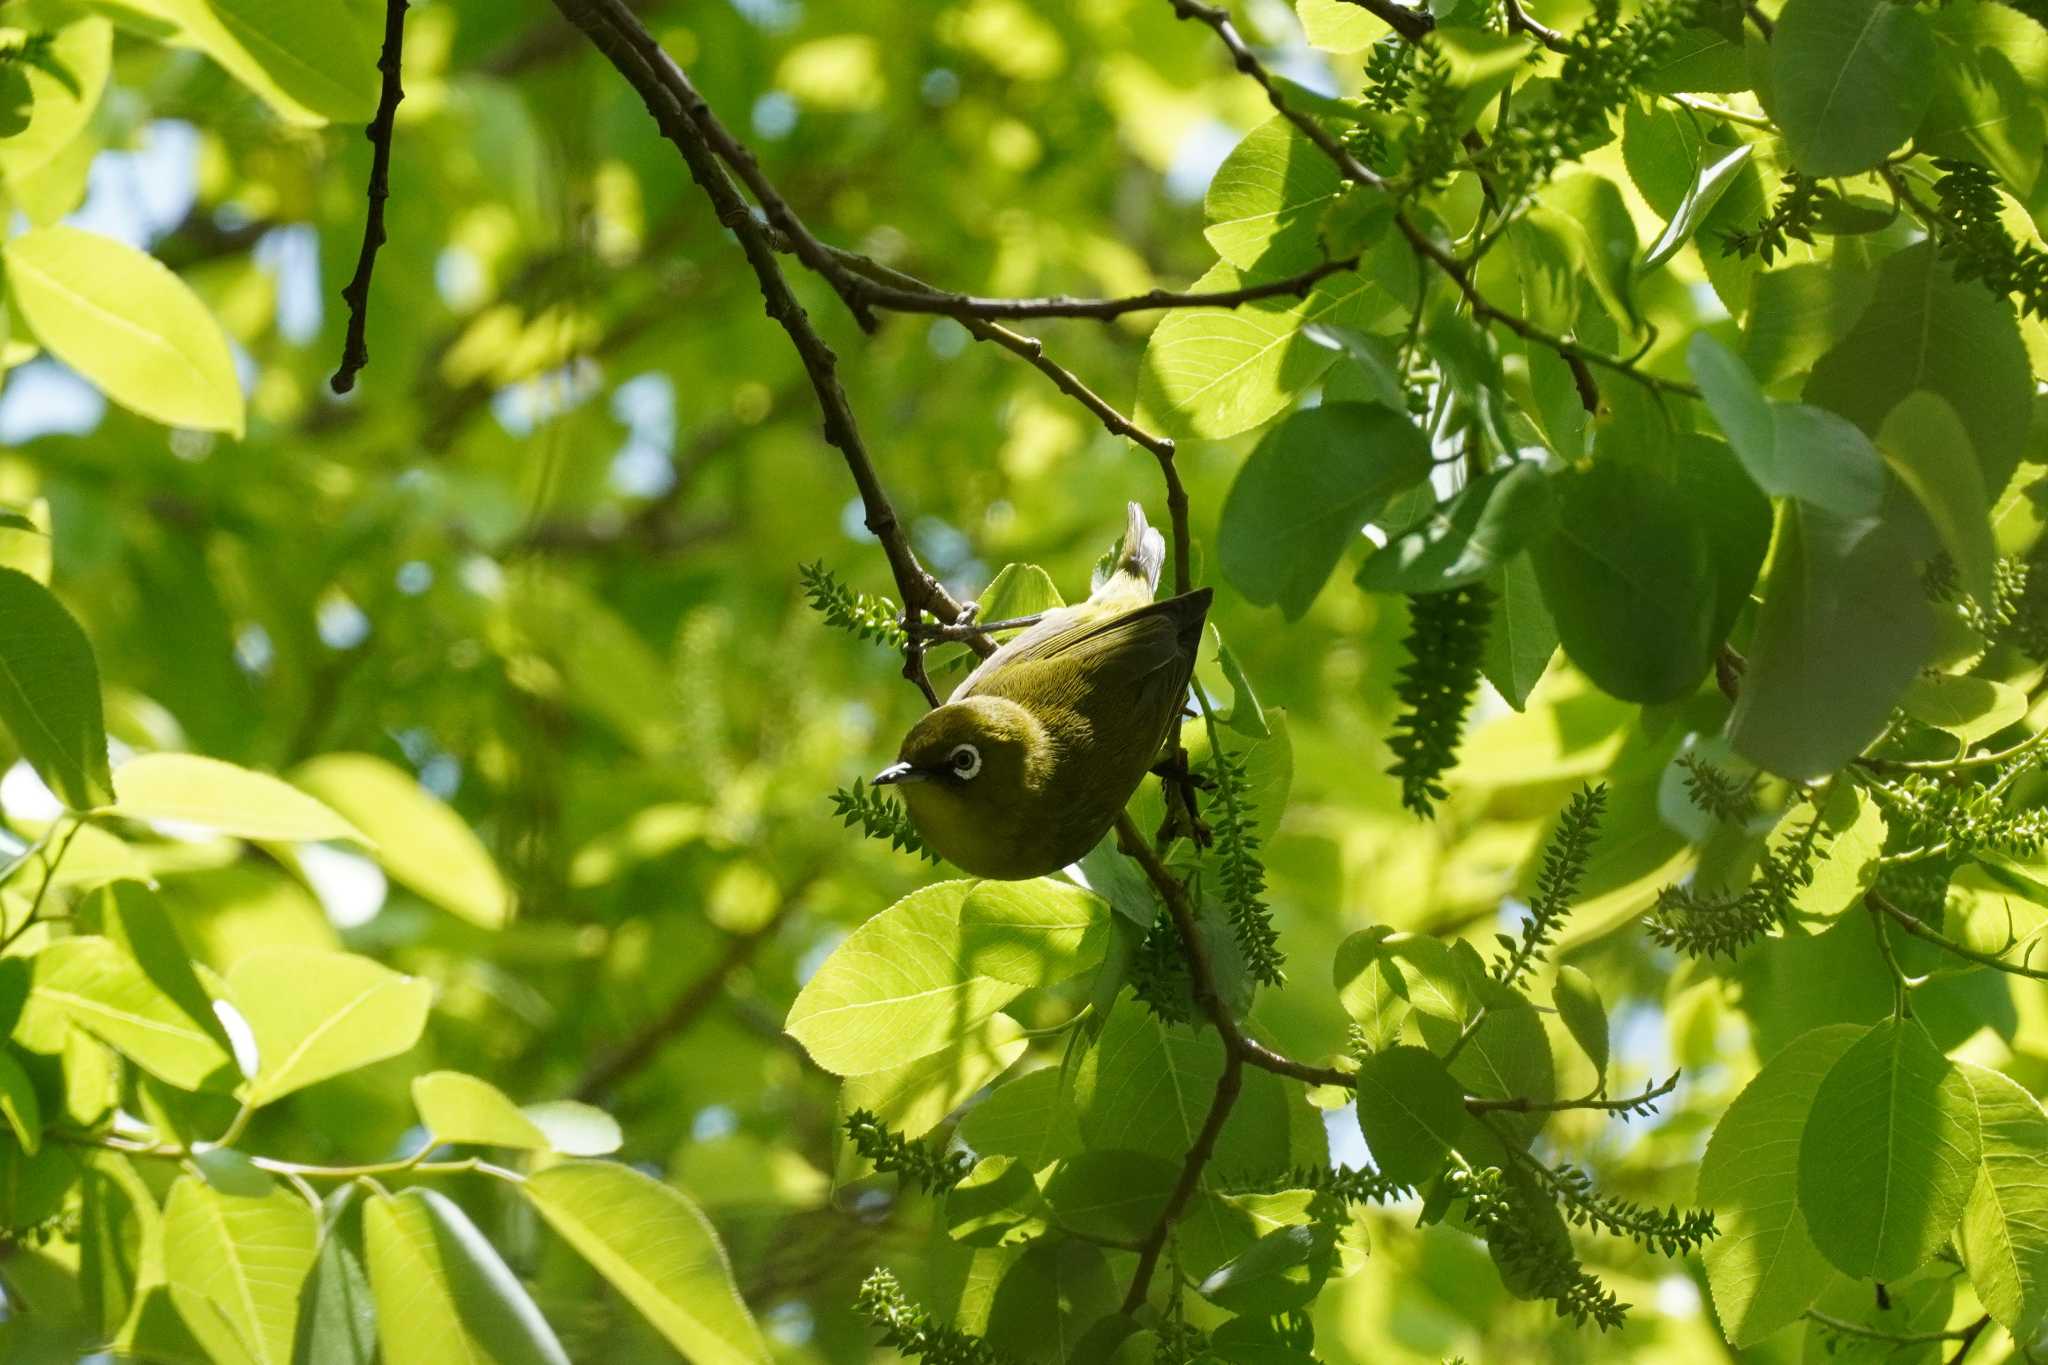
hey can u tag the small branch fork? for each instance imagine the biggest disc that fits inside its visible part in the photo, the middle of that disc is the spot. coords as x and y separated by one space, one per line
708 149
355 349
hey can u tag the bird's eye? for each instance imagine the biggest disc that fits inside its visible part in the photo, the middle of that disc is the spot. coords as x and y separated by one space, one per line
966 761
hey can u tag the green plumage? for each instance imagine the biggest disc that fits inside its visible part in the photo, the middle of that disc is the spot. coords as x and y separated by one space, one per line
1030 760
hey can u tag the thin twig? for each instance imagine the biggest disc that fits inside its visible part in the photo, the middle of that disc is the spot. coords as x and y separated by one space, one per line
355 349
668 96
1483 310
1412 24
1228 1086
924 298
1877 900
1856 1329
1246 61
1520 22
1522 1104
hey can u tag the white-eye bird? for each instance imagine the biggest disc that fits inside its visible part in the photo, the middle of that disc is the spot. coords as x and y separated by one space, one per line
1026 766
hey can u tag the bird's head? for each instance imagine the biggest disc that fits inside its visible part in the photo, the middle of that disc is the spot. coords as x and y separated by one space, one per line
966 771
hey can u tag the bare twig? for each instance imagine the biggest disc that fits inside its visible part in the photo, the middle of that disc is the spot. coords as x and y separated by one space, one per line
1241 55
1520 22
355 350
925 298
1578 357
669 98
1411 24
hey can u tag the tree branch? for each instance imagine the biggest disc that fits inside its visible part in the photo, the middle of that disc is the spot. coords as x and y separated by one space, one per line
925 298
669 97
355 349
1411 24
1242 56
605 1074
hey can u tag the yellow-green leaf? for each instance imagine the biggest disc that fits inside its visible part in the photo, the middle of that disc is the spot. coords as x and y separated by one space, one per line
461 1108
92 983
317 1014
650 1242
188 789
443 1295
235 1264
129 325
420 841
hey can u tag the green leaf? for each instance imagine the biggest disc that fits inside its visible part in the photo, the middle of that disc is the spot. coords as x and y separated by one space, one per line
1266 202
1034 933
190 789
1370 986
1969 708
1282 1271
1791 450
1926 446
337 1317
1764 1270
63 91
103 991
1797 313
1146 1087
318 1014
442 1293
1487 523
1924 329
912 1098
235 1266
1853 825
1889 1153
460 1108
996 1203
310 61
1048 1299
50 692
1031 1118
1982 111
1588 213
1850 80
1508 1057
18 1103
1844 628
652 1244
1304 494
1410 1111
897 989
1706 191
419 840
1522 636
126 323
575 1129
1214 372
1111 1193
1629 578
2004 1233
1578 1004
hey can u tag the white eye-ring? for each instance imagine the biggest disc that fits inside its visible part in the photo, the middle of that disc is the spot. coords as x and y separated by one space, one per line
966 761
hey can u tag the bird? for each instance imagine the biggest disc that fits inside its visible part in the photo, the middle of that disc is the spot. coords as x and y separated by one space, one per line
1028 763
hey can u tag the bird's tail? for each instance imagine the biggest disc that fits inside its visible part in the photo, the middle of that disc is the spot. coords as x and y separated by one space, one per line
1140 554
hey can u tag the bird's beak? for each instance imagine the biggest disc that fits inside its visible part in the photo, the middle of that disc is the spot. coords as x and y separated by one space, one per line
899 772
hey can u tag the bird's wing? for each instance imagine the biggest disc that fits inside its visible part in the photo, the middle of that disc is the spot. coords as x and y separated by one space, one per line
1058 658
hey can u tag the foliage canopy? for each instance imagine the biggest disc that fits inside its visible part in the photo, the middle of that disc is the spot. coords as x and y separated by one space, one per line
441 913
